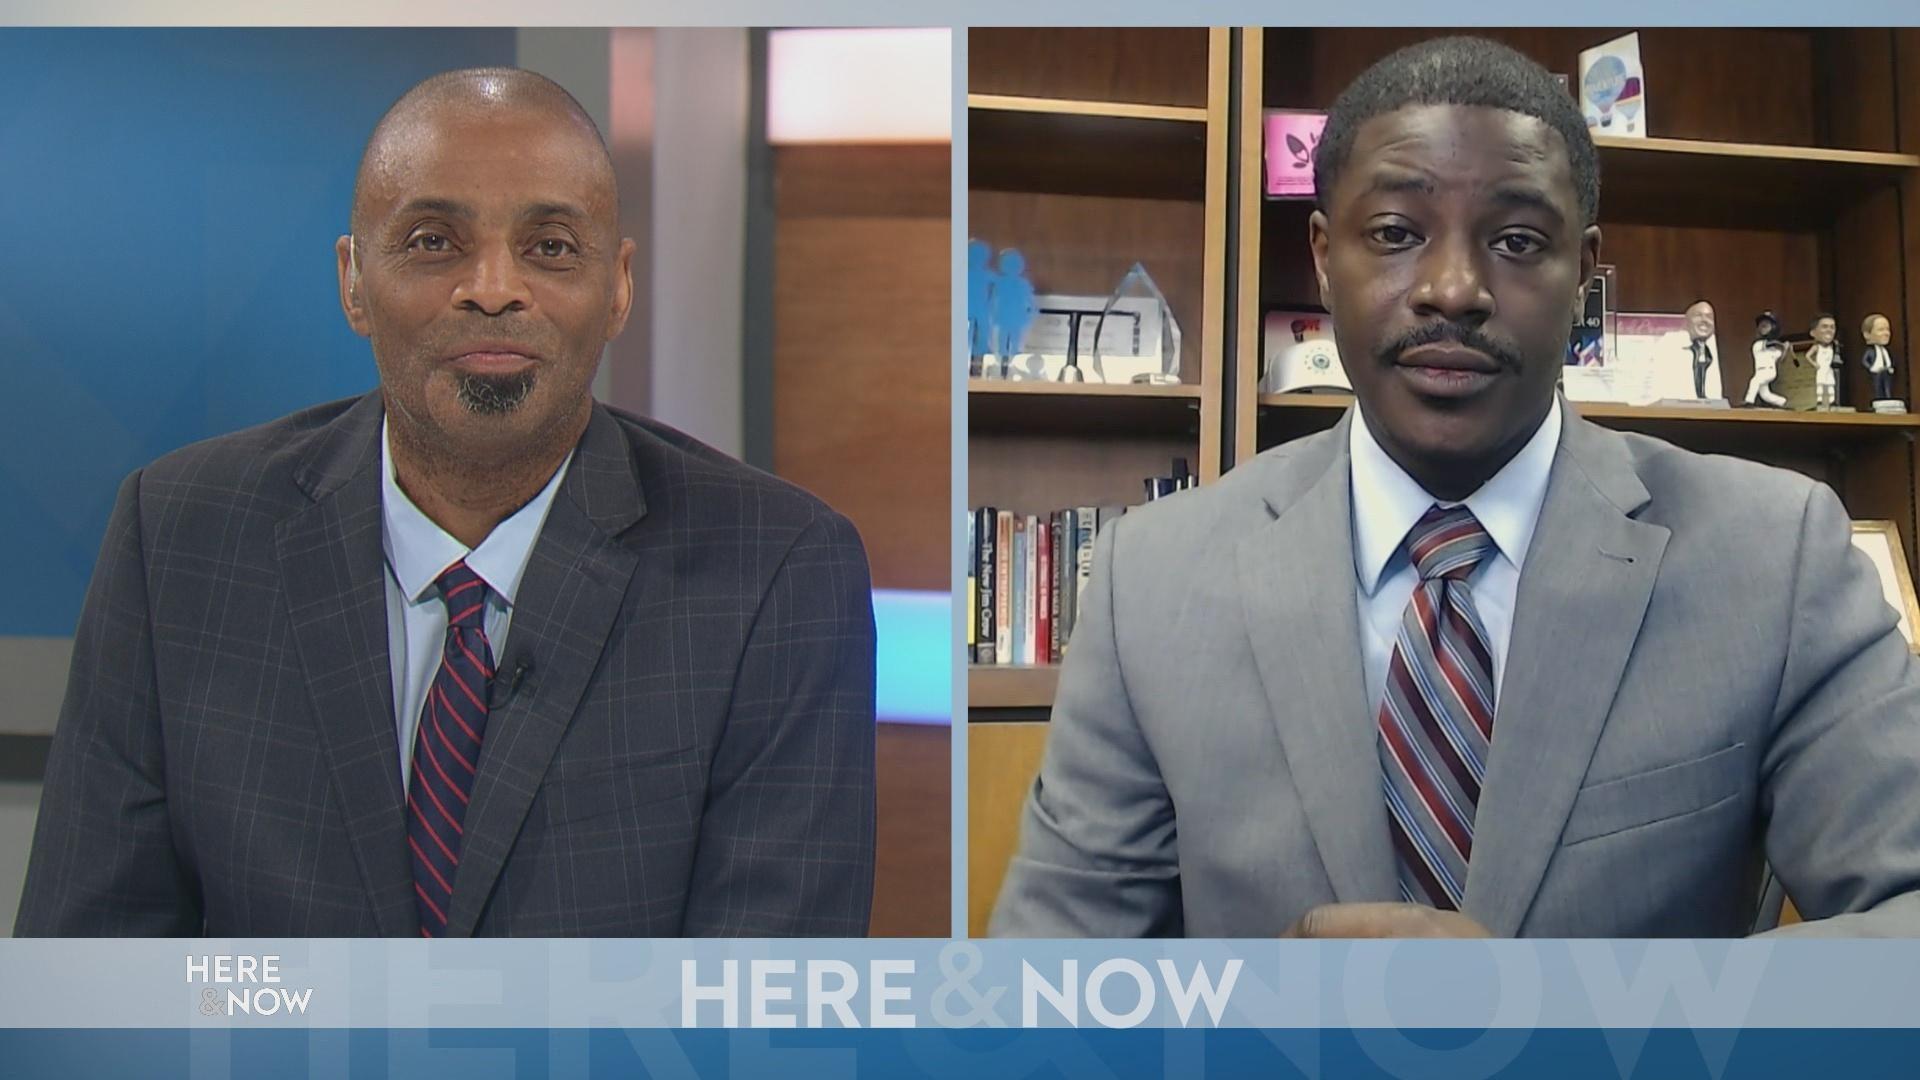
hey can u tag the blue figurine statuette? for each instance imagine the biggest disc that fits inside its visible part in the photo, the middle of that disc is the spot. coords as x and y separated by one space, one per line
979 304
1011 302
1000 309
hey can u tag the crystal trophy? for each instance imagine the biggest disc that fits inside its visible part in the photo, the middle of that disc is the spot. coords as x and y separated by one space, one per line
1136 326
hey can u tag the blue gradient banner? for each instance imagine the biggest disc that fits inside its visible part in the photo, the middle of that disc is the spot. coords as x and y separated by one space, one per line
256 985
473 1054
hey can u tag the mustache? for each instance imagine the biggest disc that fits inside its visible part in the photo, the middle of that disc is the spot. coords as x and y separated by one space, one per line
524 337
1435 333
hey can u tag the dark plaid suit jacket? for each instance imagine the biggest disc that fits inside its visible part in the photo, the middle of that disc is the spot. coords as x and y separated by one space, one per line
689 749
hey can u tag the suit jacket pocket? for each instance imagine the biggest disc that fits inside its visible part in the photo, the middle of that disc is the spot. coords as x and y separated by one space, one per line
578 792
1656 795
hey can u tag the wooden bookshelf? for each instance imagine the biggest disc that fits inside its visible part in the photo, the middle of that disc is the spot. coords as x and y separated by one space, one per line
1089 150
1109 152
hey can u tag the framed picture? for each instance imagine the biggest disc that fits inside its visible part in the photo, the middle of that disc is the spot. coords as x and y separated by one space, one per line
1881 541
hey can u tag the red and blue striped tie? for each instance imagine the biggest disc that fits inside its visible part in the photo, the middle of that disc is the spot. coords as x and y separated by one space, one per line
1436 716
446 748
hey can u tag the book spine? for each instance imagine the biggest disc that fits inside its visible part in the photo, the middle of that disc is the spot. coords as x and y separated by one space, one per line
1066 559
1043 602
1021 539
989 523
1029 557
973 588
1070 578
1014 589
1055 598
1003 588
1083 563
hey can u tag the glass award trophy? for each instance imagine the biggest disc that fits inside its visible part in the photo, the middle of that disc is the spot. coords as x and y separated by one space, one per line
1136 339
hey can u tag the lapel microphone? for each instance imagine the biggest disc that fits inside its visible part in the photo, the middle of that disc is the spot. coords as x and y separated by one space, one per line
505 689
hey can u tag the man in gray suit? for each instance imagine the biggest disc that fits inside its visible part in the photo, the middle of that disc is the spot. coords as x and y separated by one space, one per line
472 654
1468 664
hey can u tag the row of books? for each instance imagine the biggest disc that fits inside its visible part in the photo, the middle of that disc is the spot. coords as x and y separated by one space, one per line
1025 574
1024 580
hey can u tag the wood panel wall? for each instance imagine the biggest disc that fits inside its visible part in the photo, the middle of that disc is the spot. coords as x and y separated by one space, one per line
861 415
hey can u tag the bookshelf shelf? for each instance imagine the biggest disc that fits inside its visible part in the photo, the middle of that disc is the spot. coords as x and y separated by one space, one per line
1703 150
1598 410
1746 432
1081 408
1011 687
1703 183
1070 107
1038 388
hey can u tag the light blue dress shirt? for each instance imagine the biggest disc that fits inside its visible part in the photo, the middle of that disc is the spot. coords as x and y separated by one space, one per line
418 551
1387 502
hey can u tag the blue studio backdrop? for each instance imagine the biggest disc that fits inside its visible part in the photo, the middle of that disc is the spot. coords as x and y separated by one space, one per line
169 201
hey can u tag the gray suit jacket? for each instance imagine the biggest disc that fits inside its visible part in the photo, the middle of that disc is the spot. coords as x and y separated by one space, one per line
1702 676
689 748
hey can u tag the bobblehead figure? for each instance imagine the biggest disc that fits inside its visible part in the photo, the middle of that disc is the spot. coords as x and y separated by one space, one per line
1706 367
1767 350
1825 358
1876 331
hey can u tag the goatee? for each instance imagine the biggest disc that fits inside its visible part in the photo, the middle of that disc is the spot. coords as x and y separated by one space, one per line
494 395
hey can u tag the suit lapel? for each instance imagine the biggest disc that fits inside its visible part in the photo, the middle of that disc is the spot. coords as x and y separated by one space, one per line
575 583
1589 574
331 567
1298 599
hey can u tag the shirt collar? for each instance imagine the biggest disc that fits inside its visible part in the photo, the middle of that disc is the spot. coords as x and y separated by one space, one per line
1387 502
419 551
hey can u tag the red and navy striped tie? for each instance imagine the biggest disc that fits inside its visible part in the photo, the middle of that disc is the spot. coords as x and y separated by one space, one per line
1436 716
446 748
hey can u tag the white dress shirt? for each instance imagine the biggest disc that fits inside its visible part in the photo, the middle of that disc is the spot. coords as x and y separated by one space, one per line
1387 503
418 551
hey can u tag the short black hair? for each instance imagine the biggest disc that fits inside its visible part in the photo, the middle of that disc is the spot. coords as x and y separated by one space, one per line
1458 71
